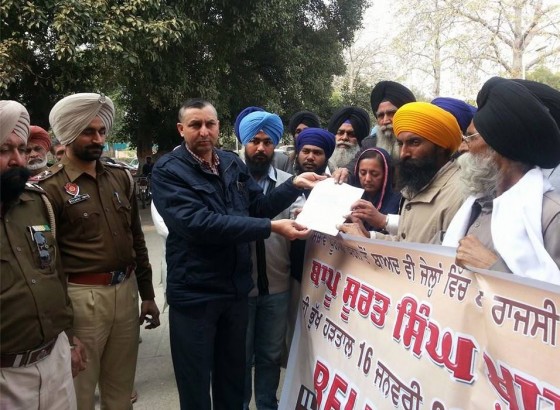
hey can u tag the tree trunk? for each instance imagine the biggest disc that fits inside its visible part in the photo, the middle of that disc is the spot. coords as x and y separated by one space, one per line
144 146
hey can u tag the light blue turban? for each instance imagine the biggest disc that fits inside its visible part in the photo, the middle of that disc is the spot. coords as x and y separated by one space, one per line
242 115
270 124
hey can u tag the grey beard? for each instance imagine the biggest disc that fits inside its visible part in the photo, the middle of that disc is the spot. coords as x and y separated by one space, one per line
386 139
37 165
342 156
479 173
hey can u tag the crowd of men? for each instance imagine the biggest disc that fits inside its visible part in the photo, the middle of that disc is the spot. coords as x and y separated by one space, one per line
76 278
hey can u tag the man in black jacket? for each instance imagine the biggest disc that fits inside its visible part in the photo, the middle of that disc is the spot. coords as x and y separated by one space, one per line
214 209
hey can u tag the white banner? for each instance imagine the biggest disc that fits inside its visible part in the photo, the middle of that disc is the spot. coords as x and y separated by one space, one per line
388 325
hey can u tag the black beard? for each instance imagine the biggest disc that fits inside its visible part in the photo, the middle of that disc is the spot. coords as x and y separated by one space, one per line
12 183
415 174
258 168
86 155
319 171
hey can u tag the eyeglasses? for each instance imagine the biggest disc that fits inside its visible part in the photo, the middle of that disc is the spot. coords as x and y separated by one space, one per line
256 141
42 248
382 114
468 138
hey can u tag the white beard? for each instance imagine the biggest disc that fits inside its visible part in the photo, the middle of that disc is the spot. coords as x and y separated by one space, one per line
479 173
37 165
342 156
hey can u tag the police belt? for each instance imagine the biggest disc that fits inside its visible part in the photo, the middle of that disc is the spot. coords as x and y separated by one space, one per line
102 279
28 357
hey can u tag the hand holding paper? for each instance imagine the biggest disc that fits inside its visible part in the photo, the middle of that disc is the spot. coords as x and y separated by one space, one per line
289 229
308 180
327 206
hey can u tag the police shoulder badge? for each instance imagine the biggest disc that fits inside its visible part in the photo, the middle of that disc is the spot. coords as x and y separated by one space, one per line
74 190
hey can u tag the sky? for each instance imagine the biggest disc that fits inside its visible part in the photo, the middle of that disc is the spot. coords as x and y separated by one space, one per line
381 23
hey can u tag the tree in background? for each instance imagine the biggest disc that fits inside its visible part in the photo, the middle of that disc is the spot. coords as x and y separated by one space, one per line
153 54
427 42
451 47
515 35
544 75
49 49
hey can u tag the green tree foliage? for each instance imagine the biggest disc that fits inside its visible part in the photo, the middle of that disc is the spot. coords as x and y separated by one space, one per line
280 55
153 54
51 48
544 75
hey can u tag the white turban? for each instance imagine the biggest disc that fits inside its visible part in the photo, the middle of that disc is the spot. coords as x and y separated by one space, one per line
13 118
71 115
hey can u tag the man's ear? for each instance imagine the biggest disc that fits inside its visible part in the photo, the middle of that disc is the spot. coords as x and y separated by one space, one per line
443 154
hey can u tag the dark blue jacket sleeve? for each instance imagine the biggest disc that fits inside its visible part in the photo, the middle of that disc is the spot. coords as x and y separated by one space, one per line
183 208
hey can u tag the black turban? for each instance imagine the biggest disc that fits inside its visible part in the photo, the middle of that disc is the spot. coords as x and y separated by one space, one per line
516 124
549 96
303 117
397 94
358 117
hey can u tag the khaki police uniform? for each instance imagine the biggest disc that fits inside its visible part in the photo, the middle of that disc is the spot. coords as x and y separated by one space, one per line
35 357
105 257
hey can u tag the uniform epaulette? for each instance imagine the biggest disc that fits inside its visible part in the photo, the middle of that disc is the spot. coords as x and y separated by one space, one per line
47 173
110 164
128 174
30 186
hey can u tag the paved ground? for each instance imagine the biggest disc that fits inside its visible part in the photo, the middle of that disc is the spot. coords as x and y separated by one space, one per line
155 381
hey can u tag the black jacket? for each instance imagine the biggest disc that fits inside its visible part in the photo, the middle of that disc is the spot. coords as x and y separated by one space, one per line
211 221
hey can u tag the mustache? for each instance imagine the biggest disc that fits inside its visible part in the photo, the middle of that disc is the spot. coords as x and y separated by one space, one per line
386 127
346 144
95 146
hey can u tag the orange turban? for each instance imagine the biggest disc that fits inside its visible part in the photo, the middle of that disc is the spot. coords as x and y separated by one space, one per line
430 122
39 136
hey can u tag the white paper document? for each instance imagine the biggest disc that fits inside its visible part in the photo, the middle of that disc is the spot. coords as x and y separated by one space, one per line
327 206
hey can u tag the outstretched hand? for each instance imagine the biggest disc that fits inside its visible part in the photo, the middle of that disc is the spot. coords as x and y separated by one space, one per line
307 180
355 227
365 211
290 229
341 175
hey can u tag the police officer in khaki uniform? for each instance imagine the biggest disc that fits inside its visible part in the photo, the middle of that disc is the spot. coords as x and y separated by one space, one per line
35 354
103 250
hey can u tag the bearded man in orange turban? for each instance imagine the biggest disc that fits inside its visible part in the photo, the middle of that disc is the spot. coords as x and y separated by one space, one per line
38 145
427 176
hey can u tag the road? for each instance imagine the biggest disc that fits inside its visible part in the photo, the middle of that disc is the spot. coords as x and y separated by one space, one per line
155 381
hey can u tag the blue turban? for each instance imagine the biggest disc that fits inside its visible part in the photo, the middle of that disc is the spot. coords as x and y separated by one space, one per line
270 124
242 115
462 111
317 137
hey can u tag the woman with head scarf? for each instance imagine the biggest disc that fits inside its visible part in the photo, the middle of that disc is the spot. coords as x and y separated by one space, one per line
374 173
